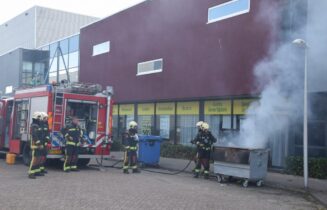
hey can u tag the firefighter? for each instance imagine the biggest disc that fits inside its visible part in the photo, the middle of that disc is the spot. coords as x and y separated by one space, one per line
204 143
198 126
73 135
130 141
36 146
45 140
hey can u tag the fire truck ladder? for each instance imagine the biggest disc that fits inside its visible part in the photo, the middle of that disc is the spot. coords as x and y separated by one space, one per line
58 109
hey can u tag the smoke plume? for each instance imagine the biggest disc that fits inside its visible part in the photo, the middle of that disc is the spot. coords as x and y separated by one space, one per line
280 76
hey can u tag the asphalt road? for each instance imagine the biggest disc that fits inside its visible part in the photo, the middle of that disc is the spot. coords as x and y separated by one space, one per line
110 189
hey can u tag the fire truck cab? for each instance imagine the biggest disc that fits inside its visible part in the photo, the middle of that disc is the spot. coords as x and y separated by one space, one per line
87 102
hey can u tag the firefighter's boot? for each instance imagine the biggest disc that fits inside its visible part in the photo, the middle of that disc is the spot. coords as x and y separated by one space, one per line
31 176
136 170
196 175
206 176
125 171
39 174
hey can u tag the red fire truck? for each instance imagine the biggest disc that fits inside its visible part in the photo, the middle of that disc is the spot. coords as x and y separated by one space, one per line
87 102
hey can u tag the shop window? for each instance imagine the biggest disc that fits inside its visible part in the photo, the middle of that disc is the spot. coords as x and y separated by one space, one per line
186 130
145 118
150 67
115 123
187 117
126 115
145 125
228 9
165 121
214 122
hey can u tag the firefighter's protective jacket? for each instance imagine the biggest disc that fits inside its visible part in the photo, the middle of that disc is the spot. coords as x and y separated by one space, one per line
36 135
131 140
204 140
73 135
45 133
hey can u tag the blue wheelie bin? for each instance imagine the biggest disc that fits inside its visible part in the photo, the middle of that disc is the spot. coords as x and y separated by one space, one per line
149 150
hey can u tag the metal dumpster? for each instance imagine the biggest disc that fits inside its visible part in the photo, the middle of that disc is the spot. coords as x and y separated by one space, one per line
149 150
249 165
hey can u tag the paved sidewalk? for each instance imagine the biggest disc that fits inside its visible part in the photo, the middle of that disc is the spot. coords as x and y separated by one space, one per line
317 187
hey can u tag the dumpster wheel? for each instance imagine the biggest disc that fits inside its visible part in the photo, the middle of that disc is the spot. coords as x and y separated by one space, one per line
245 183
259 183
219 178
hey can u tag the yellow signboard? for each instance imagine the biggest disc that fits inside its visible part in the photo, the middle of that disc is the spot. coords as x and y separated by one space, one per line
222 107
126 109
165 109
188 108
115 110
241 106
145 109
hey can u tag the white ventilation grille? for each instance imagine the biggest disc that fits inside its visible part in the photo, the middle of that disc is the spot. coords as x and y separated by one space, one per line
150 67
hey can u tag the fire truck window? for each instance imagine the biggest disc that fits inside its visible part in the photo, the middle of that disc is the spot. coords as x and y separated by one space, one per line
21 121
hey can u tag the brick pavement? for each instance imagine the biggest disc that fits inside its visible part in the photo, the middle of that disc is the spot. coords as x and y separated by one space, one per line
110 189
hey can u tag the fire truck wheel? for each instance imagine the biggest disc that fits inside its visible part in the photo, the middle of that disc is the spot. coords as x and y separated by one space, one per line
83 162
27 156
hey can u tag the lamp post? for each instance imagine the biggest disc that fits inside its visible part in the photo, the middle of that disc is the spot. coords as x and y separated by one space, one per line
301 43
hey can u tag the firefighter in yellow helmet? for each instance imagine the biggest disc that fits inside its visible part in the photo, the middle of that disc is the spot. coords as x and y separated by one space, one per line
36 146
204 143
198 126
73 135
45 140
130 141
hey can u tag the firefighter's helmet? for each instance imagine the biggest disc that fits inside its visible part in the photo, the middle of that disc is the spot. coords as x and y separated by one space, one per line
198 124
205 126
44 115
132 124
37 115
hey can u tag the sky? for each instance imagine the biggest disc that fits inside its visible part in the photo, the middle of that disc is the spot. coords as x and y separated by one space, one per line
96 8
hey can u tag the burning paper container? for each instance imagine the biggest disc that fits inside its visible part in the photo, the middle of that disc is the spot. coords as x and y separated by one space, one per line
247 164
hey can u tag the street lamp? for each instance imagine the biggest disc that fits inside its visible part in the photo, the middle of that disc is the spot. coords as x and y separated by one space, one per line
301 43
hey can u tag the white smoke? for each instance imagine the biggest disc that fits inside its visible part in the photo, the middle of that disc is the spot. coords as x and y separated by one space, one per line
280 77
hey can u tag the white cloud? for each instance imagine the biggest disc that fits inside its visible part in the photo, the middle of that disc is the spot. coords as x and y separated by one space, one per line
96 8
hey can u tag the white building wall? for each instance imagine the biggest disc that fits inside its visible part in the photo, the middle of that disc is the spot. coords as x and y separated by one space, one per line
39 26
53 24
18 32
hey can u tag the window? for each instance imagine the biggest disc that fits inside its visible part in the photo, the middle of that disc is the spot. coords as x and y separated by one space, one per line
101 48
53 49
74 43
64 46
145 118
187 117
62 64
228 9
165 121
27 73
73 59
150 67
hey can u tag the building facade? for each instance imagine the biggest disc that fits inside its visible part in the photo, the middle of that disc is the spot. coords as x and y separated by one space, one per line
23 68
175 63
54 33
